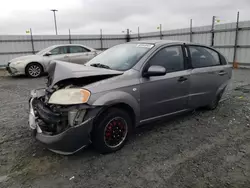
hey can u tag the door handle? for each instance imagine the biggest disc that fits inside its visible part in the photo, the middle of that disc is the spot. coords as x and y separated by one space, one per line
66 56
182 79
221 73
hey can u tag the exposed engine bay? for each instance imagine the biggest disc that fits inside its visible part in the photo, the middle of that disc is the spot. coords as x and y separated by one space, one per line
54 118
61 112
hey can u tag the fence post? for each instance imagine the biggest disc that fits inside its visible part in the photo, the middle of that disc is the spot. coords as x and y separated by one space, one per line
69 37
235 65
139 33
160 32
191 30
101 39
128 36
212 31
32 41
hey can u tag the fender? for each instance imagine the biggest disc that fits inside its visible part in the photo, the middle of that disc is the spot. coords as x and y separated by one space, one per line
222 88
116 97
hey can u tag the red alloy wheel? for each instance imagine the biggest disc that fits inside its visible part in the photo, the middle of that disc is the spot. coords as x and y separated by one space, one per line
115 132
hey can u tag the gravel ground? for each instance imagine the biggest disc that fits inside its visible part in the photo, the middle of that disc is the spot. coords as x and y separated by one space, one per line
200 149
3 72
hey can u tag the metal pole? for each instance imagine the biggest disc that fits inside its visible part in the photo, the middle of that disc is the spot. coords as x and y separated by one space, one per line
160 32
128 36
69 37
101 39
32 42
236 37
54 11
191 29
212 31
138 33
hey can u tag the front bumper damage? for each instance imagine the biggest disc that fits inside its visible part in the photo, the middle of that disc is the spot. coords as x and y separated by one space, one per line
43 120
13 71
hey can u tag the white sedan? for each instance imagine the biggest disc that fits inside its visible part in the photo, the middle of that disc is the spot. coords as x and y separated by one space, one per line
35 65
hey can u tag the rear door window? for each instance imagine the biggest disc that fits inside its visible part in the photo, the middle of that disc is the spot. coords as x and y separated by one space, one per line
77 49
203 57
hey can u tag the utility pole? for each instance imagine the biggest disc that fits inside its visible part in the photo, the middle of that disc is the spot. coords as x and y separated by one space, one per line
54 11
138 33
101 39
69 37
191 29
32 41
212 31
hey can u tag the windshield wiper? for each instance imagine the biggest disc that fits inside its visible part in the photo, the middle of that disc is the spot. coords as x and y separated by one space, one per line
100 65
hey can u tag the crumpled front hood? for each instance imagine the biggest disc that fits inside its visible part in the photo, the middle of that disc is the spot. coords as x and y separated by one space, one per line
26 58
59 70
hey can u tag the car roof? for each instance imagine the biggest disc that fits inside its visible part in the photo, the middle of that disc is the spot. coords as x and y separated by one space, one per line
161 42
58 45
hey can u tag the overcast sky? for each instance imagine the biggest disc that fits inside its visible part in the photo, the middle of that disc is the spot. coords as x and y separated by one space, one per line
114 16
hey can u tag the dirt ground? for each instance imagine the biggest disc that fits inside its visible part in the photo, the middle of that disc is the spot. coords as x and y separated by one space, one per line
200 149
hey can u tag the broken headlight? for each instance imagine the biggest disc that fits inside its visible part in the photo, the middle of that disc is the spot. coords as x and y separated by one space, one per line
69 96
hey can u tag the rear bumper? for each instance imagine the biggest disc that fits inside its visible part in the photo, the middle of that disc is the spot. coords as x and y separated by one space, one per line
67 142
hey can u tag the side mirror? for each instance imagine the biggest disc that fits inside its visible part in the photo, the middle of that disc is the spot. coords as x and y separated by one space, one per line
155 70
48 54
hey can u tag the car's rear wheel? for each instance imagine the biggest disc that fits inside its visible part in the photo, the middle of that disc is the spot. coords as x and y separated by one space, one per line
34 70
111 130
214 104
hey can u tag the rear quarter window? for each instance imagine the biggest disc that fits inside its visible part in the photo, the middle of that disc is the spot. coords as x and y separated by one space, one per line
223 60
77 49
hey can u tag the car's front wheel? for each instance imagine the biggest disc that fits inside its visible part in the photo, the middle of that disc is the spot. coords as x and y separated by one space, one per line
111 130
34 70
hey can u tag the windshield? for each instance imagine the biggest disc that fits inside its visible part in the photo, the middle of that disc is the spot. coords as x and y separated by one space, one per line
121 57
43 51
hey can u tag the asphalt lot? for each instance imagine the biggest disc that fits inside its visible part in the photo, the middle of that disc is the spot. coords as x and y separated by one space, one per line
200 149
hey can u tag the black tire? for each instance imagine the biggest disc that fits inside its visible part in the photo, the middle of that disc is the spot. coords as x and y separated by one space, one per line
214 104
34 70
101 128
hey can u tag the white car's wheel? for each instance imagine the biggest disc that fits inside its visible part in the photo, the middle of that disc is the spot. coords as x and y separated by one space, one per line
34 70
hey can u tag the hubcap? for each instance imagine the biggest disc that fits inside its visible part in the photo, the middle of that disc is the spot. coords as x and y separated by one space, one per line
34 70
115 132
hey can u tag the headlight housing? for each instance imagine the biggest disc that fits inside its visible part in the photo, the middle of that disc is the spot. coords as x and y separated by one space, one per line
70 96
16 62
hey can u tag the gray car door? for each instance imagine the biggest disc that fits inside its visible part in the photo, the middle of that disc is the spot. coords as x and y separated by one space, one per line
208 76
168 94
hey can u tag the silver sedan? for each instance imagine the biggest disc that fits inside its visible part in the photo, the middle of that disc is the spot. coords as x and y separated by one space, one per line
35 65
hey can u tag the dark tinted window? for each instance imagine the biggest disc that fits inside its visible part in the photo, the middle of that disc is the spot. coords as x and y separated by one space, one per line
223 60
77 49
170 57
59 50
203 57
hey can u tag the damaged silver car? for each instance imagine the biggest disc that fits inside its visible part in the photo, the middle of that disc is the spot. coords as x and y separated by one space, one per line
122 88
